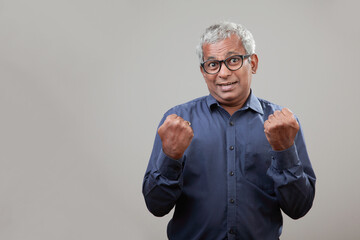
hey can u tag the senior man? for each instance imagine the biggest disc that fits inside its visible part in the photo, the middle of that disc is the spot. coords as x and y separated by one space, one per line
229 162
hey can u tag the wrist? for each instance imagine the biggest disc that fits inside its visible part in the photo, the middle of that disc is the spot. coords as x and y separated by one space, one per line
281 146
172 154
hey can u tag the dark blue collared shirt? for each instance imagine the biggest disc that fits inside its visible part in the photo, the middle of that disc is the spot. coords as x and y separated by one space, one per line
229 184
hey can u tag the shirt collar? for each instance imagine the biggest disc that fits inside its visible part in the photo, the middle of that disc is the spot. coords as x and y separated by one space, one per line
252 102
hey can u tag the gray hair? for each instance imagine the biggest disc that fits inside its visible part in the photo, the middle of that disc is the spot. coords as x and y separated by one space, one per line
223 30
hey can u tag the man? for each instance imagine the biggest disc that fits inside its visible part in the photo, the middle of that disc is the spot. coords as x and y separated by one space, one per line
228 162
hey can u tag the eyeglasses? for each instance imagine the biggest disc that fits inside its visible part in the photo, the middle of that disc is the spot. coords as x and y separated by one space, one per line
233 63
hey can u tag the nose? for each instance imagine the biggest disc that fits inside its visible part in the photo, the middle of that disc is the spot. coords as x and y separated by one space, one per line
224 71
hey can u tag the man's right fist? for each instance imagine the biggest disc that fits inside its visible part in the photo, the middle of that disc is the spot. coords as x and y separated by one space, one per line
176 135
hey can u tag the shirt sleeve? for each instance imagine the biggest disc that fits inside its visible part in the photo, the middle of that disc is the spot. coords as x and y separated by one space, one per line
294 178
162 183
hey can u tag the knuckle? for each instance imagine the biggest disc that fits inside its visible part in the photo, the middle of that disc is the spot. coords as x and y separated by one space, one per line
287 110
296 125
275 125
293 122
269 127
266 131
171 116
160 131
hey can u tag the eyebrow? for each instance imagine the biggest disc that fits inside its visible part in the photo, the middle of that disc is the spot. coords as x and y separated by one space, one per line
227 55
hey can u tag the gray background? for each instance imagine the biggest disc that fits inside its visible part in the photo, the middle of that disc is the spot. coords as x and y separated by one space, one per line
83 85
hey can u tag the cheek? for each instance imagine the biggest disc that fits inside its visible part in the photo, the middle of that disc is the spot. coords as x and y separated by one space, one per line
209 80
245 78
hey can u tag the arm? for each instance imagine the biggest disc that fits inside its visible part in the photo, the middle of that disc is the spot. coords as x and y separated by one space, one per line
294 178
162 184
291 168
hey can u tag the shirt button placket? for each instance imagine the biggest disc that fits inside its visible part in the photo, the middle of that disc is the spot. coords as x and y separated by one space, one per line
231 156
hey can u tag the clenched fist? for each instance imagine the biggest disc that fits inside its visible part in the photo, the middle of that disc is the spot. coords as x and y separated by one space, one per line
176 135
280 129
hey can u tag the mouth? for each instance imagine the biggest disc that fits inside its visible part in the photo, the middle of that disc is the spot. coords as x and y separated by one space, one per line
227 86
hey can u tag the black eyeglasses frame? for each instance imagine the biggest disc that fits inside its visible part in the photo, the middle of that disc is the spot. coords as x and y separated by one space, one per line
224 61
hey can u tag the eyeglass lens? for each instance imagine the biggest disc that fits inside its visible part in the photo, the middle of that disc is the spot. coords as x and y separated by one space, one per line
232 63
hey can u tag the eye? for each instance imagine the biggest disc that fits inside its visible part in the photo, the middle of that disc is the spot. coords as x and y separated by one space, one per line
234 60
212 64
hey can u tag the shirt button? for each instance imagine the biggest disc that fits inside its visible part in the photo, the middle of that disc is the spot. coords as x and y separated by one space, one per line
231 173
232 201
231 123
231 147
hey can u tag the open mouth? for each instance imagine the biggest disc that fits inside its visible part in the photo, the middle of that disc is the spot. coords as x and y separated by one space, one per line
227 86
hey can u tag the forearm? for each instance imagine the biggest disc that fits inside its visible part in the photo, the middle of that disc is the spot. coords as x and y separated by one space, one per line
162 184
294 181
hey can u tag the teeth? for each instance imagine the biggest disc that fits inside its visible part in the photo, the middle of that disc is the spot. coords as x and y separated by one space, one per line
226 84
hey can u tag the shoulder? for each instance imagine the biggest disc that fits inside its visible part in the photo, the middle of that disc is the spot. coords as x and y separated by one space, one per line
269 107
188 107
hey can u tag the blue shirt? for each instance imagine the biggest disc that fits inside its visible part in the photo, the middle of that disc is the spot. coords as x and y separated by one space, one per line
229 184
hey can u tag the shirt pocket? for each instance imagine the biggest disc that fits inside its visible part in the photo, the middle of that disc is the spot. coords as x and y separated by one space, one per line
257 163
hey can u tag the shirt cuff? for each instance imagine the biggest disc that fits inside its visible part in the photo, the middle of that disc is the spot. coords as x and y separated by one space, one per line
169 167
285 159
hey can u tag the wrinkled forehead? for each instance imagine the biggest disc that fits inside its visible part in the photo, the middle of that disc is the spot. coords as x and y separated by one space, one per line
223 48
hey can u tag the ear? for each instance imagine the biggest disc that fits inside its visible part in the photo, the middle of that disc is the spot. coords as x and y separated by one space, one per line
202 71
254 63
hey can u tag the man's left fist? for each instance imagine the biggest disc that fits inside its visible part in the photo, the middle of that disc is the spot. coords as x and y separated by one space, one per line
280 129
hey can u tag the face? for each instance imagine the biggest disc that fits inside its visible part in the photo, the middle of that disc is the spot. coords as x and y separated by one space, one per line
229 88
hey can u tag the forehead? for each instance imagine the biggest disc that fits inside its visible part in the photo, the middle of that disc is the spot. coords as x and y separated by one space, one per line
224 48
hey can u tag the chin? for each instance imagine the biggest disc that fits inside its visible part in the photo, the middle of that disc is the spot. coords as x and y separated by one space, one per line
228 97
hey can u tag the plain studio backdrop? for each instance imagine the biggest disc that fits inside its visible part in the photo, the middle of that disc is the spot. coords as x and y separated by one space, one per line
84 84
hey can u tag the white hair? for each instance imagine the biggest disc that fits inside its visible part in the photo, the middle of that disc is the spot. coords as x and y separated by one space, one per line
223 30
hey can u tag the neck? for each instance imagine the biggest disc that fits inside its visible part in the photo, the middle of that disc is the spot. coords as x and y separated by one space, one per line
232 108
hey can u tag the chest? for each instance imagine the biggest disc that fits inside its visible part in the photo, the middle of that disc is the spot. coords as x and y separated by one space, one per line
221 146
